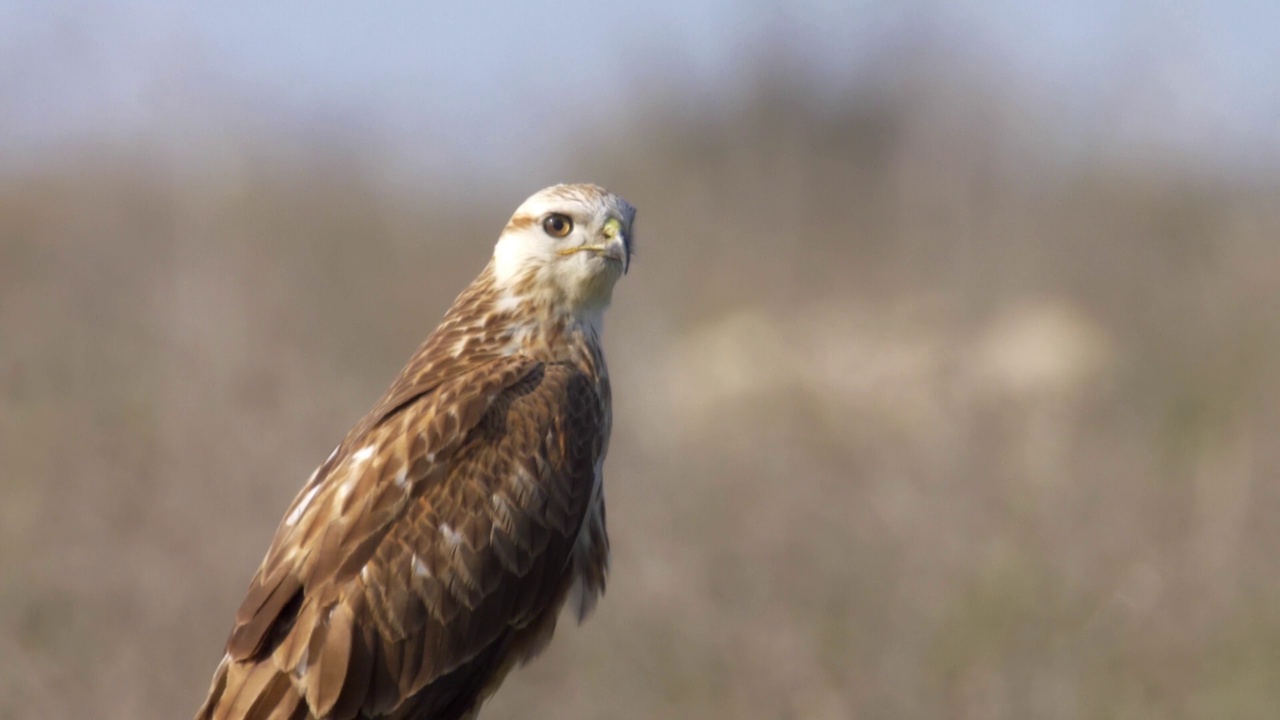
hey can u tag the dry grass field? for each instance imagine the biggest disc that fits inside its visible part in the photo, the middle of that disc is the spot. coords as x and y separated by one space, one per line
916 417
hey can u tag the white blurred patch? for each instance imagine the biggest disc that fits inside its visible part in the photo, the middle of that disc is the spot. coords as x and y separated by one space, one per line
296 515
1039 349
420 568
903 367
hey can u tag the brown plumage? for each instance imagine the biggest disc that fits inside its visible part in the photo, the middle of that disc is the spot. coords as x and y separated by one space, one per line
434 549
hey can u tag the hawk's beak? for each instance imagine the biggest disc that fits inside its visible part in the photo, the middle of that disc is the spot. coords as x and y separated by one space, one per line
618 247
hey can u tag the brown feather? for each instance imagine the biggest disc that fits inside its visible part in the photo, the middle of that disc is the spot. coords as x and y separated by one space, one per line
269 599
433 550
245 683
325 682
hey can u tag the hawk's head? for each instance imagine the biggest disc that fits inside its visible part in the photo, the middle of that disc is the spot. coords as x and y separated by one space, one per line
567 244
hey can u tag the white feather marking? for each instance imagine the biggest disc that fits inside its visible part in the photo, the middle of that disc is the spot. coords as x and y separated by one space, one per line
363 454
344 490
296 515
460 347
508 302
524 477
451 536
420 568
402 477
502 513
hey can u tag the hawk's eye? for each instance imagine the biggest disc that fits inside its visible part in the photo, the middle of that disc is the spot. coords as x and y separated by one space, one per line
557 225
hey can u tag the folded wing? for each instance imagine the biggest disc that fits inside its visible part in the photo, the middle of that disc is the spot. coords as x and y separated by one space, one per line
403 575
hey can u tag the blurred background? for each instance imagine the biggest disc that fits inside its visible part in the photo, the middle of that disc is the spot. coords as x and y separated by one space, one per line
947 378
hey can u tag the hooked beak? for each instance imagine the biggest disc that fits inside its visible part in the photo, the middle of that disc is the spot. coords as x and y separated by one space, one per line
616 247
617 250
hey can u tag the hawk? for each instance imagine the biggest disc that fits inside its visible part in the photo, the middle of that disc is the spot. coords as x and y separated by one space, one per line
435 547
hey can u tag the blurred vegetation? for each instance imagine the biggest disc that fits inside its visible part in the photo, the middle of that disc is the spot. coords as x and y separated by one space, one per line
916 416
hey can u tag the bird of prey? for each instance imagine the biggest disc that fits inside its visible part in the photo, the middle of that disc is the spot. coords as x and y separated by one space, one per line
435 547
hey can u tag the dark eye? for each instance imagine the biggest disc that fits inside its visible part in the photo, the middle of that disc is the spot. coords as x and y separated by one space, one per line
557 225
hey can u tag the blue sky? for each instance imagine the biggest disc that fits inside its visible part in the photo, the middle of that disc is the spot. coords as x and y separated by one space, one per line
494 80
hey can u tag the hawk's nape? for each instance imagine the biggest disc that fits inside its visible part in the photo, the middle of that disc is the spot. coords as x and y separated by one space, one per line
435 547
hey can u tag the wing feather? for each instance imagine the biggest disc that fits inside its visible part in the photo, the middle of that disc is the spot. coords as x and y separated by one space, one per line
440 528
324 543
